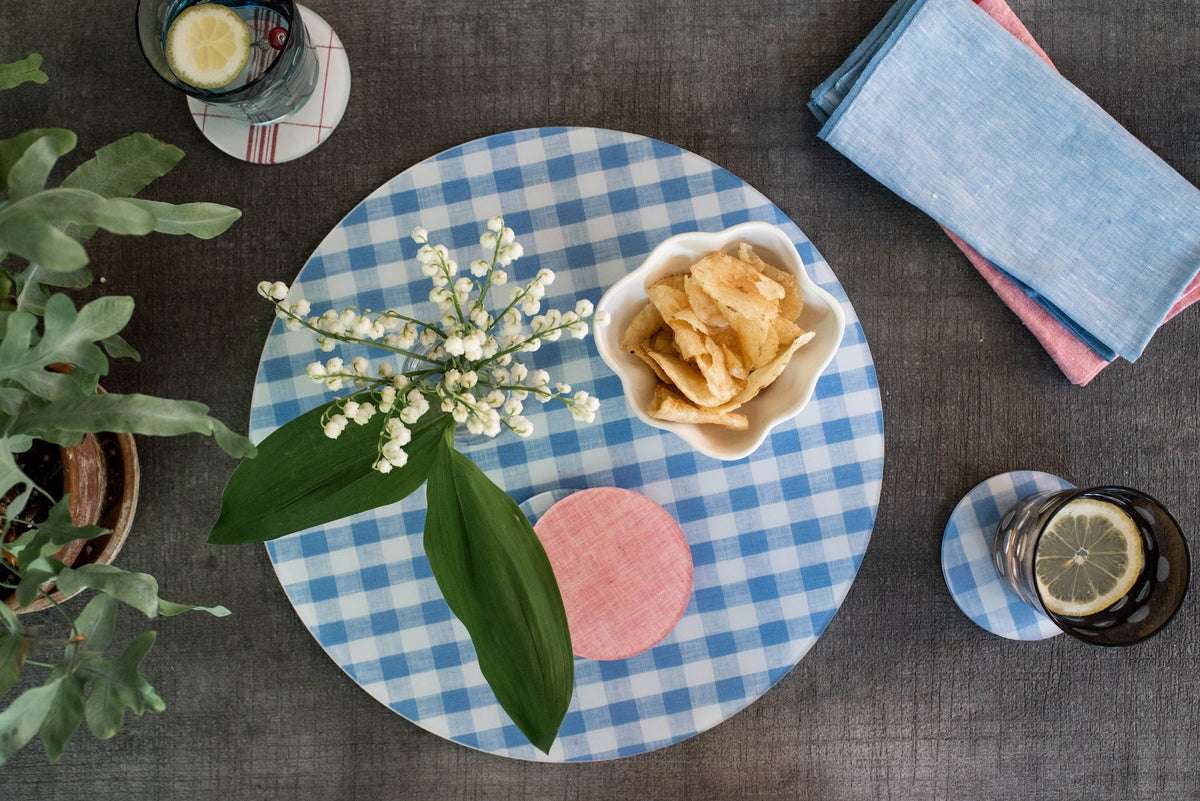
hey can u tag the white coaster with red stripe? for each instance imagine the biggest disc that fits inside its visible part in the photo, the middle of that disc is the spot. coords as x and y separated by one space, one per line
303 131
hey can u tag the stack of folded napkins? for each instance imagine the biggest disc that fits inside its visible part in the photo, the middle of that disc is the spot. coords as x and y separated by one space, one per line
1092 239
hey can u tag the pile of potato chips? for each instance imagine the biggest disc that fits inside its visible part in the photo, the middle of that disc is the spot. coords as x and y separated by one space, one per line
716 336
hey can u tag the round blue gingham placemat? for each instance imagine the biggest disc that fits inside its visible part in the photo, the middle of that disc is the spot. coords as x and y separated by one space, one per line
776 538
967 563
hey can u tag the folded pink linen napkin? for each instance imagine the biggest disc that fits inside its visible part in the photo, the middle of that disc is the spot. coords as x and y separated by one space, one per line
1077 361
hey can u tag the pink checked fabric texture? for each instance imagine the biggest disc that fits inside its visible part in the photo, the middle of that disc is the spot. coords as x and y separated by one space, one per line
1077 361
623 566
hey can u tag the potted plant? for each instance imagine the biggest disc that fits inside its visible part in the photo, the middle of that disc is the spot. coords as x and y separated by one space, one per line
68 477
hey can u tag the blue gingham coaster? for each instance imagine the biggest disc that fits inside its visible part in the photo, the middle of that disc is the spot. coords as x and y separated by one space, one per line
967 556
776 538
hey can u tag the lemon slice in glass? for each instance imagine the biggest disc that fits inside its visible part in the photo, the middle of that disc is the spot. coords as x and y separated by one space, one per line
1088 558
207 46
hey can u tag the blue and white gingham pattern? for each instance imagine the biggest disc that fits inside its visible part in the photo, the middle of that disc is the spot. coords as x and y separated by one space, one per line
967 556
776 538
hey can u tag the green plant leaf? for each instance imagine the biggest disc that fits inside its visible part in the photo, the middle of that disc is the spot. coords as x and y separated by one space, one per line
169 609
27 159
37 240
201 220
51 534
117 348
134 414
96 623
19 72
33 285
139 590
69 337
40 571
125 167
497 579
16 643
31 226
301 478
117 686
64 716
12 656
11 476
24 717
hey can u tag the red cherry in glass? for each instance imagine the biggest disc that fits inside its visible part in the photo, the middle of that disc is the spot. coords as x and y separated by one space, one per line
277 37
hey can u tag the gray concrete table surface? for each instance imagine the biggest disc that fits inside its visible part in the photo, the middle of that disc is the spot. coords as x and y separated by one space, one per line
902 697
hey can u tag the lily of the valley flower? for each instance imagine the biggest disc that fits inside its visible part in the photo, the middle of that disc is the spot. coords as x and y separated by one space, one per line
465 364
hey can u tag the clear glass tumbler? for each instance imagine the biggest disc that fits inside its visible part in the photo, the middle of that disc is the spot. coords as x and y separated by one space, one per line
1156 592
279 76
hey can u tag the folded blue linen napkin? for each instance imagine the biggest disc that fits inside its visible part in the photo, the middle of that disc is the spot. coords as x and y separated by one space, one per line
946 108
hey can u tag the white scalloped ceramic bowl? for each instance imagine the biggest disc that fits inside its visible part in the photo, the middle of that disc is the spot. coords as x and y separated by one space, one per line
784 398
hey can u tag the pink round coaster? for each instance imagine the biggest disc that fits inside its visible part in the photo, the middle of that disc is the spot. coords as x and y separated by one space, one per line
623 566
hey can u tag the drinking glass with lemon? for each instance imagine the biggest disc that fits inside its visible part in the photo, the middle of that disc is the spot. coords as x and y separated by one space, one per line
1108 565
251 58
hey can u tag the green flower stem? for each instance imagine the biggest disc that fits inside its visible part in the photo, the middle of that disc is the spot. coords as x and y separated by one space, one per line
519 346
355 341
453 294
483 290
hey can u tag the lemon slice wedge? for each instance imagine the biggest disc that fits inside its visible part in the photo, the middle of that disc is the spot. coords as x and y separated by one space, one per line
1088 558
207 46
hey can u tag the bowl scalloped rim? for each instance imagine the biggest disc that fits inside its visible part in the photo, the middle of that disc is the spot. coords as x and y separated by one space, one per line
785 398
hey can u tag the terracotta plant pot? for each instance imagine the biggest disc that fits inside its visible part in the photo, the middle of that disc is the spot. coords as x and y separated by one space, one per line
102 476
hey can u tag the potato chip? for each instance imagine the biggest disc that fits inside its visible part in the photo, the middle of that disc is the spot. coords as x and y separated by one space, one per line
643 326
762 377
792 302
751 336
715 371
733 363
670 405
668 299
735 284
642 353
703 305
688 379
663 342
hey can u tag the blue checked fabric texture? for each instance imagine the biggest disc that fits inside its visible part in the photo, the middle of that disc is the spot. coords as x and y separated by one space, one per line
951 112
967 563
776 538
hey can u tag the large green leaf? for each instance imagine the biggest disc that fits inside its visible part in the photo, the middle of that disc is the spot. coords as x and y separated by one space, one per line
63 420
64 716
139 590
27 159
24 717
96 624
18 72
497 579
69 337
201 220
301 478
125 167
30 226
117 686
